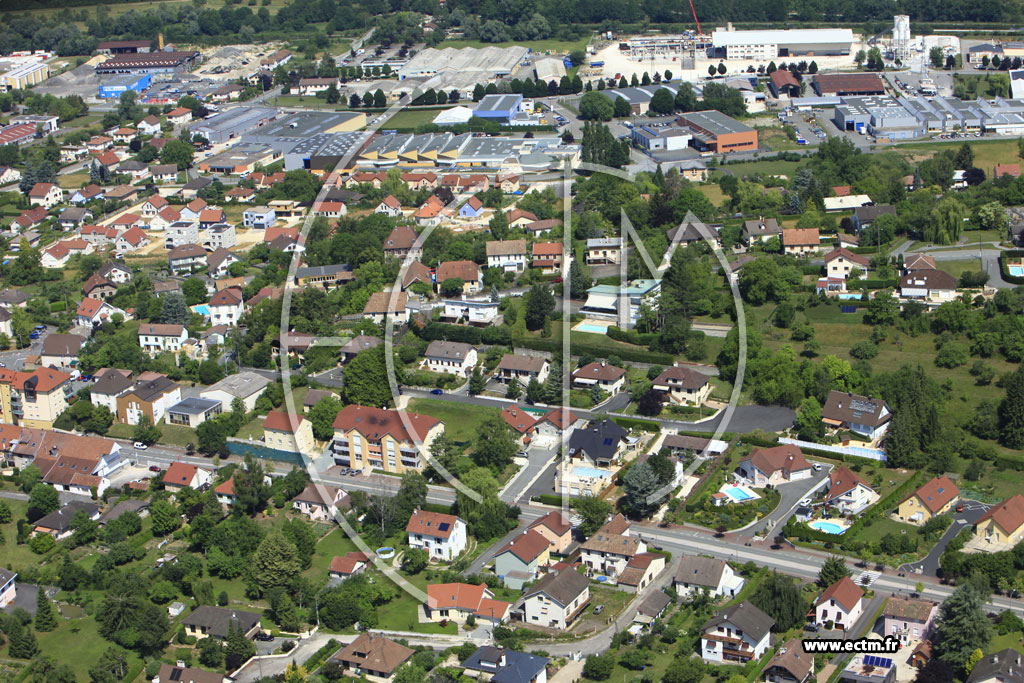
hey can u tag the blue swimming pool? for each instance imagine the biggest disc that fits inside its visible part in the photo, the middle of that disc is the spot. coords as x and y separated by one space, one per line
737 494
827 527
846 296
1016 271
587 327
201 309
593 472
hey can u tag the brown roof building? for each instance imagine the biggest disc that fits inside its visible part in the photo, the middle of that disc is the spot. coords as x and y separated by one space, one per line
848 84
373 655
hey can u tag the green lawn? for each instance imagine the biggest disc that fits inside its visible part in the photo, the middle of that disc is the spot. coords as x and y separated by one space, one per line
460 419
713 192
73 181
401 615
786 168
1013 639
334 544
960 266
174 435
987 153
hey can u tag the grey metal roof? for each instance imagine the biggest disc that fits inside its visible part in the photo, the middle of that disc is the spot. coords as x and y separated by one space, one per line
193 406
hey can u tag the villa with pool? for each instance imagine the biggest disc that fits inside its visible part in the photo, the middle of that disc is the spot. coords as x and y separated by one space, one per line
602 307
766 467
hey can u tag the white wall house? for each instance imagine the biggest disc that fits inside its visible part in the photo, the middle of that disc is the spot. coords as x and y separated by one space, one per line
442 536
841 603
454 358
697 573
738 633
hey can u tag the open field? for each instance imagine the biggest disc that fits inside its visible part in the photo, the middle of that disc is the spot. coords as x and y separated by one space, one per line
460 420
987 153
960 266
118 8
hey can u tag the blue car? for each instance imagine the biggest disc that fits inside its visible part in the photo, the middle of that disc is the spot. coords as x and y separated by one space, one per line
437 392
34 335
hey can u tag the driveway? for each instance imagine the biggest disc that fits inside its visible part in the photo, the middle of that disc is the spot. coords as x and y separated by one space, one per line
792 493
538 460
929 565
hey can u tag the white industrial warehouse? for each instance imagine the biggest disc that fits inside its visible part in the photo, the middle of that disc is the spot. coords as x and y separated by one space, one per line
771 44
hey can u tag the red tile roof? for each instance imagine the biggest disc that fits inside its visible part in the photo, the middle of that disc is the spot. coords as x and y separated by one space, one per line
935 494
279 421
527 546
435 524
844 591
1009 514
373 423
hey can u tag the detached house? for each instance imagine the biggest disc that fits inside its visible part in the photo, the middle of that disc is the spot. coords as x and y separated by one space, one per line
374 656
640 571
609 378
607 553
556 529
603 251
349 564
180 475
467 272
928 285
740 633
599 444
508 255
218 622
547 256
320 502
93 312
849 493
458 601
839 263
157 338
869 417
933 498
697 573
800 241
790 664
840 604
557 599
226 307
774 466
442 536
556 424
522 369
908 619
683 385
389 206
519 561
290 433
453 358
401 242
46 195
1002 527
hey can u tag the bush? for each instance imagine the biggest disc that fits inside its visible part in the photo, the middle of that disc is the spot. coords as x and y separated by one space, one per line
952 355
865 350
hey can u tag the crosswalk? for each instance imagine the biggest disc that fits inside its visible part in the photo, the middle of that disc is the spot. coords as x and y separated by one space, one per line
866 579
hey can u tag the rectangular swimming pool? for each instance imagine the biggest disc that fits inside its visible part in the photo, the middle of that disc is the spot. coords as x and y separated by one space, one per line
737 494
592 472
587 327
1016 271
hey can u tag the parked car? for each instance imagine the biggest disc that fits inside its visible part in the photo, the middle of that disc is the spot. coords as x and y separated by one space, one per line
960 507
138 445
264 636
154 468
437 392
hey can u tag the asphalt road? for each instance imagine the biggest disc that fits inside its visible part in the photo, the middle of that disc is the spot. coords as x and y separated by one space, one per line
791 494
929 565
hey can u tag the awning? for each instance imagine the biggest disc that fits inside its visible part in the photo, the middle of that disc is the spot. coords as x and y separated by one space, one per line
602 301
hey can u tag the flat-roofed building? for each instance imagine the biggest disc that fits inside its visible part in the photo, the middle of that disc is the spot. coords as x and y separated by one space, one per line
714 131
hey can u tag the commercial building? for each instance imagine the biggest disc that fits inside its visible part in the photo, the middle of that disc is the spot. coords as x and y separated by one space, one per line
483 64
714 131
121 84
879 115
313 140
156 63
660 138
764 45
848 84
241 158
499 108
23 76
639 98
124 47
233 123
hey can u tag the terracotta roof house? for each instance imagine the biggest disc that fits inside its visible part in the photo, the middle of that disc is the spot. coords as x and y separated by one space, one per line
349 564
373 655
934 497
839 604
520 560
457 601
773 466
609 378
556 529
790 664
442 536
800 241
1003 525
848 492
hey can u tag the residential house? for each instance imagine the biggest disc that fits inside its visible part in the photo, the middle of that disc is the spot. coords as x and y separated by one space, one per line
46 195
179 116
126 221
934 286
382 305
259 217
919 262
131 239
520 421
683 385
473 208
600 444
557 599
320 502
329 209
246 386
430 213
358 343
29 218
760 230
477 313
419 181
609 378
58 522
556 529
522 369
123 193
285 432
547 256
909 619
840 605
8 587
864 216
402 242
653 607
458 601
349 564
467 272
1002 527
363 435
149 398
219 261
99 287
790 664
389 206
520 560
935 497
697 573
640 571
767 467
543 227
193 411
739 633
502 665
839 263
863 415
241 195
73 217
453 358
226 307
508 255
517 218
61 350
848 492
800 241
59 254
87 194
155 338
106 389
164 173
509 184
186 259
557 424
181 475
603 251
442 536
169 673
164 218
210 217
94 312
607 553
865 668
373 656
207 620
138 170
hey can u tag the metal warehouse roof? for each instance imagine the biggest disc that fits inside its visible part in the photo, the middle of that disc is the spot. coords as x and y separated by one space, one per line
782 37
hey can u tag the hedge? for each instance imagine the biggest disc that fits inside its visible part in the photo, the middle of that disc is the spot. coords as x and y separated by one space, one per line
1013 253
635 356
758 440
320 656
630 336
548 499
876 284
437 507
810 270
635 423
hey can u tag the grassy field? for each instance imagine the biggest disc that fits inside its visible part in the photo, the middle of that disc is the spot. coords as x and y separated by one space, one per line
774 139
73 181
960 266
119 8
786 168
334 544
79 643
987 153
713 192
460 419
175 435
986 85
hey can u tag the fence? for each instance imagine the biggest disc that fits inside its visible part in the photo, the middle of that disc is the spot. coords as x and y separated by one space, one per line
243 448
870 453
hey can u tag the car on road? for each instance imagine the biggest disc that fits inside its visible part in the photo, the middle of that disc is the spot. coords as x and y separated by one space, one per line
263 636
960 507
154 468
138 445
806 502
817 467
437 392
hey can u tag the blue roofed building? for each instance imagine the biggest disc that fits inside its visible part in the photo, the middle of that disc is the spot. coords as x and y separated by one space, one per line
499 108
501 665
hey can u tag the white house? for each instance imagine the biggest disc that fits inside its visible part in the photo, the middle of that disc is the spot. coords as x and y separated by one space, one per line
739 633
8 587
156 338
181 475
840 604
864 415
453 358
774 466
848 492
839 263
389 206
697 573
557 599
609 378
608 552
319 502
509 255
928 285
442 536
226 307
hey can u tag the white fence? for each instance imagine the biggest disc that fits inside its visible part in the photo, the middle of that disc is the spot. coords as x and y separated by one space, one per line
870 453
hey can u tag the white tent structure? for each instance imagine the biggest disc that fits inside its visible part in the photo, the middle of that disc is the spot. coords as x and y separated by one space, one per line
455 115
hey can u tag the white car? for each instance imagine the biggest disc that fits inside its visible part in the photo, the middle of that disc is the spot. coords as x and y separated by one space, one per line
806 502
139 446
817 467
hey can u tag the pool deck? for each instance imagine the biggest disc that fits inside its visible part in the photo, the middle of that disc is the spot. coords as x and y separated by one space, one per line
753 495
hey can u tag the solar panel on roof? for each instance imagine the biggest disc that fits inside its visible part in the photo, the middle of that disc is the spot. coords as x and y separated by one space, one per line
176 674
443 526
607 441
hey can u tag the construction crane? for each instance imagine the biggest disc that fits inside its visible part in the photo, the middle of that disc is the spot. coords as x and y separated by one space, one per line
695 20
